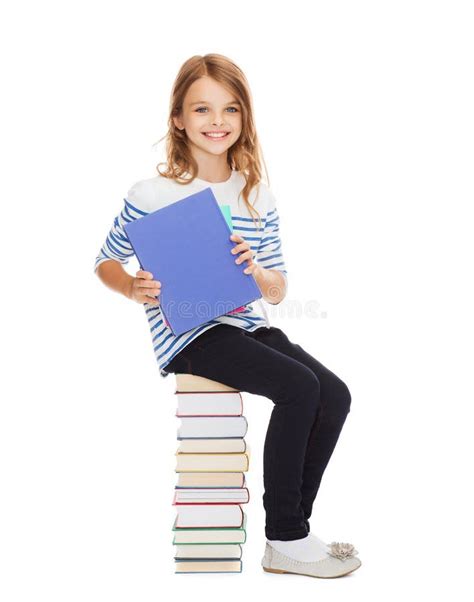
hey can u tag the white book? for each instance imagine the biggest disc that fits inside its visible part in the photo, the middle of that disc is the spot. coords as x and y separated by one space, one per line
202 427
209 515
218 403
203 550
214 495
209 446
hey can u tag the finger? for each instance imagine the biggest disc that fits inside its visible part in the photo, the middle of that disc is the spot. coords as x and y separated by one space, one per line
144 274
244 246
152 298
237 238
250 269
244 256
150 284
149 293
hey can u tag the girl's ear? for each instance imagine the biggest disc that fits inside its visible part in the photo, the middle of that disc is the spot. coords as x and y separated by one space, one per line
177 122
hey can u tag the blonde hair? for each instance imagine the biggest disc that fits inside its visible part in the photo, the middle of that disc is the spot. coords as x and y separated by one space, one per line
245 155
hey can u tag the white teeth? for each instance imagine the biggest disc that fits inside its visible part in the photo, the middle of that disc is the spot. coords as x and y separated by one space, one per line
215 135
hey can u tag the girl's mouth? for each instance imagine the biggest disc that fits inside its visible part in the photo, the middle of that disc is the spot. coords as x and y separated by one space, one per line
216 135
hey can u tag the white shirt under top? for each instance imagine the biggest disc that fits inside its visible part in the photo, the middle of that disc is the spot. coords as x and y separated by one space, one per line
154 193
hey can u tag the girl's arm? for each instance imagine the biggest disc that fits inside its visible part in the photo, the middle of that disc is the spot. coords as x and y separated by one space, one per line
272 284
142 288
113 275
117 250
271 275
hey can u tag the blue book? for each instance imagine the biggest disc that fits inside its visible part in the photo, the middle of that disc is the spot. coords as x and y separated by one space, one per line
186 246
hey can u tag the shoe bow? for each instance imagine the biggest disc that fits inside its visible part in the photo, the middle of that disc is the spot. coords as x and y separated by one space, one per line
342 550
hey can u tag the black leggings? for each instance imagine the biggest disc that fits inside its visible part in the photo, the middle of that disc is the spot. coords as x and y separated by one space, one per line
311 404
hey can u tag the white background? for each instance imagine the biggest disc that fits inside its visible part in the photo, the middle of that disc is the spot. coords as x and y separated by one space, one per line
365 115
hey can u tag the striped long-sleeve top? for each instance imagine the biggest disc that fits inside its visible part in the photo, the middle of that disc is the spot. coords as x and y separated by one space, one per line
154 193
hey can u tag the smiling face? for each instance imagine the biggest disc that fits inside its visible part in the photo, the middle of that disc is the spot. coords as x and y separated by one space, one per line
212 118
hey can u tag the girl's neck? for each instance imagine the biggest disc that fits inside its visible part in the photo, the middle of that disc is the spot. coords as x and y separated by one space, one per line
212 168
215 176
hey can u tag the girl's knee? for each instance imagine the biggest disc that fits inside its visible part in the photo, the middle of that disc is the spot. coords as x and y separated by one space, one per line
306 382
296 386
341 396
304 389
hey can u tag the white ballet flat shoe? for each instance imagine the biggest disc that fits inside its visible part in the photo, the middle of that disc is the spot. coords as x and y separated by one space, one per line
342 560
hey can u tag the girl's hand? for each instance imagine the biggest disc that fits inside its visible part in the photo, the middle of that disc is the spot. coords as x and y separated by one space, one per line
144 289
245 254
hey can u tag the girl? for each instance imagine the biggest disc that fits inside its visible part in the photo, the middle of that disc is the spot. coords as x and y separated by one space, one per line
212 141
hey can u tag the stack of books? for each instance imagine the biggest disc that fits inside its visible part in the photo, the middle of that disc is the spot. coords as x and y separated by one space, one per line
211 460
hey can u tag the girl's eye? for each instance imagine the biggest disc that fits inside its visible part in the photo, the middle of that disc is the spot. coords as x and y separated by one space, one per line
199 109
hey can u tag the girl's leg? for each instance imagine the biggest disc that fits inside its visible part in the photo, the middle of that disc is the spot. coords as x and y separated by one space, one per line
224 353
333 407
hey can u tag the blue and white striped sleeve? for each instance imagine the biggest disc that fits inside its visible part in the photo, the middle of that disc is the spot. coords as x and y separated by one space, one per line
116 245
270 253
